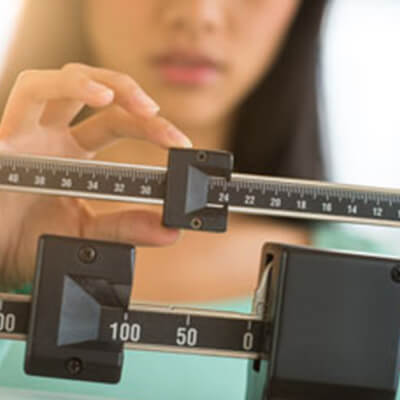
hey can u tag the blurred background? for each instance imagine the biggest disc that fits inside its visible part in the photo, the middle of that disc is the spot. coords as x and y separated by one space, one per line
361 76
360 95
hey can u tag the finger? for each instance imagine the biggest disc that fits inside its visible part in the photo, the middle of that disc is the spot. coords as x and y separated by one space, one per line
60 113
34 88
141 228
115 123
128 94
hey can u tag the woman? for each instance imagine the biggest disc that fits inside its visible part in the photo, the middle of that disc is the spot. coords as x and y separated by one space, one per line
239 76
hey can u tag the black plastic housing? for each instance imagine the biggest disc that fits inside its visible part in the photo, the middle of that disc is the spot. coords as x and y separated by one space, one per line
189 172
75 280
335 327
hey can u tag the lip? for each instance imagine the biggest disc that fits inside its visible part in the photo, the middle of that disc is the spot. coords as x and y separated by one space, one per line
188 68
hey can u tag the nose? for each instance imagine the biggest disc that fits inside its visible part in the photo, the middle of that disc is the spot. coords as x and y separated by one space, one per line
194 16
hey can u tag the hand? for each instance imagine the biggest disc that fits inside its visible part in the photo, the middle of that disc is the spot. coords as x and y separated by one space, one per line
37 120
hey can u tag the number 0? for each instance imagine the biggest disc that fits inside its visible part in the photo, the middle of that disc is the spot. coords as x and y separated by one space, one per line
248 341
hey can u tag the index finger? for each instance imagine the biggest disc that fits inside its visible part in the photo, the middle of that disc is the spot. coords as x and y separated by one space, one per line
128 94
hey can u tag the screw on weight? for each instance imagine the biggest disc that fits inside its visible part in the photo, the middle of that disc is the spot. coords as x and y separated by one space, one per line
201 156
396 273
74 366
196 223
87 254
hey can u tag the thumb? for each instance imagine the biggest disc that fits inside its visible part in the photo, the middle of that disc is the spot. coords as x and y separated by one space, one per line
136 227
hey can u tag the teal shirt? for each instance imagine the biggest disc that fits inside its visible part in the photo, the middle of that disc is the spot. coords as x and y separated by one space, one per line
157 376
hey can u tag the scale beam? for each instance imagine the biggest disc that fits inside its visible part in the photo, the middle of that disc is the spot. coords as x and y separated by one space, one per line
249 194
184 330
312 308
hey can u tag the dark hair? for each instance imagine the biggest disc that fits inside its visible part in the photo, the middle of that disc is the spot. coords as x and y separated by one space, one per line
278 128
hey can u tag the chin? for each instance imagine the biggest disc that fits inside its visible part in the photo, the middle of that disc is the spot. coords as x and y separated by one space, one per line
192 114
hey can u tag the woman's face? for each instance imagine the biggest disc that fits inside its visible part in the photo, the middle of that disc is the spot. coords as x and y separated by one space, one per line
197 58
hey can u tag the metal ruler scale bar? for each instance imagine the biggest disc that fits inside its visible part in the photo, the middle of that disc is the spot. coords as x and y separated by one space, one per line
251 194
157 328
307 199
82 178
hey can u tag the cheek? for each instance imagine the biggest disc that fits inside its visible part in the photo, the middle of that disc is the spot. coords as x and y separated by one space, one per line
259 32
117 10
119 20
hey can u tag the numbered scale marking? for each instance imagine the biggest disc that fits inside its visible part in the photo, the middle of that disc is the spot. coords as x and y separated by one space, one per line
157 328
244 193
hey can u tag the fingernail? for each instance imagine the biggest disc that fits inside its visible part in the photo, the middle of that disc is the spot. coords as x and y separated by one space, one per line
147 102
180 235
100 90
178 138
187 142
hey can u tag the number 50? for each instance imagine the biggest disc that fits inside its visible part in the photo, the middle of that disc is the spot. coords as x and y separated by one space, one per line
186 336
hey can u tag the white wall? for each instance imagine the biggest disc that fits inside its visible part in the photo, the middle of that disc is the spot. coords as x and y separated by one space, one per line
9 10
362 82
